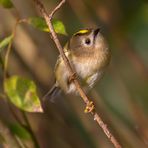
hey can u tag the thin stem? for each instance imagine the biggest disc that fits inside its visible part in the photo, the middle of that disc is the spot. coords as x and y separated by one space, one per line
48 19
6 59
10 139
106 130
20 142
29 128
5 75
3 96
57 7
19 121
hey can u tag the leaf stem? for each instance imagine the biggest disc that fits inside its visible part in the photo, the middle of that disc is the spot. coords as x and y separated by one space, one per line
29 128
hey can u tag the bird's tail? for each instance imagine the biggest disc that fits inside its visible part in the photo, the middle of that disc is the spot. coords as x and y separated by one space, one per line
52 93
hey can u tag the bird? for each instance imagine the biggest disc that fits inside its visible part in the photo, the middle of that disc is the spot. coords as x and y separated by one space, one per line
89 55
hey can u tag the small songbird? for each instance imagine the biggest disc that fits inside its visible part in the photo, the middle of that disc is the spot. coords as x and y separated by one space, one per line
89 56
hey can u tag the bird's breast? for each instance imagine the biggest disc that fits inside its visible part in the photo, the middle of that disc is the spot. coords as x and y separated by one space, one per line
86 67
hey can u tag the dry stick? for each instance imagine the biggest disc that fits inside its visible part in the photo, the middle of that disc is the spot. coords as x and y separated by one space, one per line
48 19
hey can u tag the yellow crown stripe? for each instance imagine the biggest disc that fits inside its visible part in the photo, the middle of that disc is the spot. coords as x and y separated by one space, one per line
82 31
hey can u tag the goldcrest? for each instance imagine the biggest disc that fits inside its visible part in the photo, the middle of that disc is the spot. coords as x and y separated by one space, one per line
89 56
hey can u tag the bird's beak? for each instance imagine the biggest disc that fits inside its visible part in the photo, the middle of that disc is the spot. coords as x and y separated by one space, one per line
96 31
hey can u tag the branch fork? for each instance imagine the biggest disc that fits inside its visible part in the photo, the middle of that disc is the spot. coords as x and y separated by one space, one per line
89 104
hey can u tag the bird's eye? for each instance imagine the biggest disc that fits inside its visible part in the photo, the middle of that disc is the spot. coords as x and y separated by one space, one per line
87 41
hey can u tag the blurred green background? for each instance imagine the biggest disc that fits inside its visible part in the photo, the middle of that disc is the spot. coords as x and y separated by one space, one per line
121 97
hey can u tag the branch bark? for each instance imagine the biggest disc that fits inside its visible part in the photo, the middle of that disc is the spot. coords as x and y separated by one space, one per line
97 118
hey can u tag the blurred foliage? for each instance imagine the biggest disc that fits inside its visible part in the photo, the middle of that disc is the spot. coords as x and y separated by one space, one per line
19 131
121 97
6 3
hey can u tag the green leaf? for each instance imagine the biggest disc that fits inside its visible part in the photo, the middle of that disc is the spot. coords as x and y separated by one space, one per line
59 27
19 131
5 42
22 93
6 3
40 24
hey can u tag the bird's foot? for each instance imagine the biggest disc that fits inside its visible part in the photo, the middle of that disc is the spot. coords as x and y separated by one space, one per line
90 107
72 77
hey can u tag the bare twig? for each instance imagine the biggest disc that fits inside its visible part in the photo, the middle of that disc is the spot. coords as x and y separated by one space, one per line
97 118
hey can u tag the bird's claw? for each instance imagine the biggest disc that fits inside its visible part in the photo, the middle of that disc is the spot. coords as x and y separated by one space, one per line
90 107
72 77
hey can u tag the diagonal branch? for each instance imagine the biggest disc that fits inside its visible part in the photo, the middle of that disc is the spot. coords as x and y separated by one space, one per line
48 19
